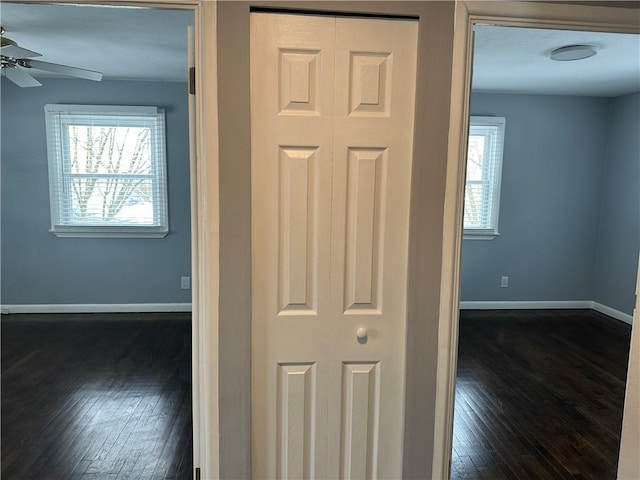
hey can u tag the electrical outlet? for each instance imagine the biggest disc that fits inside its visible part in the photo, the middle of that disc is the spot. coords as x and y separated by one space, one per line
504 282
185 283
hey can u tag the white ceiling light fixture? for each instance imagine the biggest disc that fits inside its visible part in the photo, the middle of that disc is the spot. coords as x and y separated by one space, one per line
570 53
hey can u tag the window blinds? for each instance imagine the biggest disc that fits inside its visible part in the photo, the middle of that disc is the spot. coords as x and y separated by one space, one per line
107 168
484 167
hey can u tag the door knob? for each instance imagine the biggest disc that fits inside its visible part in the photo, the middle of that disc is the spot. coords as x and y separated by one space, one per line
362 335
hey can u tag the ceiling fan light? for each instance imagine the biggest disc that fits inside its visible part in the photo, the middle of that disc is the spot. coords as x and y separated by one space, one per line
570 53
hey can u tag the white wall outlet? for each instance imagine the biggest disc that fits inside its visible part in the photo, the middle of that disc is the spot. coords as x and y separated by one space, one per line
185 283
504 282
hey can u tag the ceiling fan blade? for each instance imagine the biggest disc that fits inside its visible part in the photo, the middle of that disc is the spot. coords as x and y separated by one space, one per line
64 70
20 77
15 51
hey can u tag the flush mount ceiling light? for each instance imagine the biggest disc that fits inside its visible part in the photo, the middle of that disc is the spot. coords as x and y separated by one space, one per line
572 52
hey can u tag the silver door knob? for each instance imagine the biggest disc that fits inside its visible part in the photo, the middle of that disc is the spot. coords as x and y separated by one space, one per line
362 334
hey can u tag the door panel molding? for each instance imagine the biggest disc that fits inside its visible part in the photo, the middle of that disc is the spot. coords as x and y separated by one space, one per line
360 400
298 225
330 216
365 209
435 37
296 420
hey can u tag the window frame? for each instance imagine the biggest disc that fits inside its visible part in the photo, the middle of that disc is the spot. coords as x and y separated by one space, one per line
495 182
58 154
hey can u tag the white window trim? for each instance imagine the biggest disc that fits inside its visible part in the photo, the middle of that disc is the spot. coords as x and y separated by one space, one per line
470 234
55 176
490 233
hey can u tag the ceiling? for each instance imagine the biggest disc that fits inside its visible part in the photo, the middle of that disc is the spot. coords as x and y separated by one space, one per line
515 60
151 44
122 43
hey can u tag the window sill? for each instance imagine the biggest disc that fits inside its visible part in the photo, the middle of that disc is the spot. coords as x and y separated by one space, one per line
467 235
97 232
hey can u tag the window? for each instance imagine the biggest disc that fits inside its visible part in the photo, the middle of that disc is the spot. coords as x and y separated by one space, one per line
107 171
484 166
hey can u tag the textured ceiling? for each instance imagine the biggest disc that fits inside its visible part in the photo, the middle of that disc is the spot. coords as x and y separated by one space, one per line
122 43
151 44
515 60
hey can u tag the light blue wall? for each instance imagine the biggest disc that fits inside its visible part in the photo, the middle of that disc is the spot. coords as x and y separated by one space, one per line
550 200
39 268
617 255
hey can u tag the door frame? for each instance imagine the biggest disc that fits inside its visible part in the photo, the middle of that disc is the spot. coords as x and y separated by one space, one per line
468 13
628 462
435 43
203 141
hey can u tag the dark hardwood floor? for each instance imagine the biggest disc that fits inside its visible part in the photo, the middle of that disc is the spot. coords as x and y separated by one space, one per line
539 395
103 396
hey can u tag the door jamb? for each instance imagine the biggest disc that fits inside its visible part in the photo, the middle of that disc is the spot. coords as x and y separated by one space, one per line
628 461
468 13
204 230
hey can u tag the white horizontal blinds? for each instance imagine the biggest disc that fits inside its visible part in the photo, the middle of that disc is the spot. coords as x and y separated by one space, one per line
107 166
484 164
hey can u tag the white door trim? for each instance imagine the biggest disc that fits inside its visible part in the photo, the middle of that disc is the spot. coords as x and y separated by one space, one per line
207 200
205 237
628 462
523 14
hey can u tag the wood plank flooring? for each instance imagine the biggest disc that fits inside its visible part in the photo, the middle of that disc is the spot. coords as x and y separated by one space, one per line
539 395
103 396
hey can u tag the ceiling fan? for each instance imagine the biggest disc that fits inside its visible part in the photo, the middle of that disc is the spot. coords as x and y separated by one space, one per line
16 61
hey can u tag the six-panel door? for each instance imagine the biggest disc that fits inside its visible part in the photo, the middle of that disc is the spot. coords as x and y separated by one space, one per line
332 107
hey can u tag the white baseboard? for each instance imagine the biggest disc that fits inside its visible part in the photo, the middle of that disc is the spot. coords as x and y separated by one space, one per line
598 307
97 308
612 312
525 305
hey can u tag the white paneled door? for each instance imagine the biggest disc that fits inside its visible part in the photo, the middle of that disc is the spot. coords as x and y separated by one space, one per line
332 109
